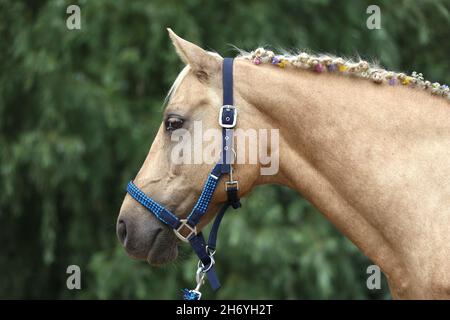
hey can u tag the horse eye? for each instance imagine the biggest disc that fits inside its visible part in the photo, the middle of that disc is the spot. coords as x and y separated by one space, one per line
174 123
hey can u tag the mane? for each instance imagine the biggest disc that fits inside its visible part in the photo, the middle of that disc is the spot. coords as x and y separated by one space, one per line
348 67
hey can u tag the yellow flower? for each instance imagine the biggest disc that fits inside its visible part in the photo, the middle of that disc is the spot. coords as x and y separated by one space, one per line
282 63
406 81
342 68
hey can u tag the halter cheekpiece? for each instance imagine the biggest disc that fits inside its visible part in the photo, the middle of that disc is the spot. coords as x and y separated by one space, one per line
186 229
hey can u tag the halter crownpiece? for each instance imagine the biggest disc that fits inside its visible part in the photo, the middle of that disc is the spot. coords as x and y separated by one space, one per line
186 229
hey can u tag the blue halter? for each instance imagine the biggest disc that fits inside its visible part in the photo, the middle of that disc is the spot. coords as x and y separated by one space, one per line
186 229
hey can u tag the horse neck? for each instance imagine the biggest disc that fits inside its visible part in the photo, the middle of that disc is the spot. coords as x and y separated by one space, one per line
370 157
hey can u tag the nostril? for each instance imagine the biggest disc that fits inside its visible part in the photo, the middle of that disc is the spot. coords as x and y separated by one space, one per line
121 231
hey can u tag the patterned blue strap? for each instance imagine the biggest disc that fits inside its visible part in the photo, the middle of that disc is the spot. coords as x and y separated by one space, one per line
154 207
205 197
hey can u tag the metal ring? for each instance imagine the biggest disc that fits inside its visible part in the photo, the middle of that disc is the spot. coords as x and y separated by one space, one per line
201 266
210 252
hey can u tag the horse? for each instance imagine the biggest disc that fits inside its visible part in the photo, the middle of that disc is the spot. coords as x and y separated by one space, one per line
369 148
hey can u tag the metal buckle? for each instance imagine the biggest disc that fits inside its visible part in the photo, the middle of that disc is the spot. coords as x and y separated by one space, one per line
192 230
228 108
230 184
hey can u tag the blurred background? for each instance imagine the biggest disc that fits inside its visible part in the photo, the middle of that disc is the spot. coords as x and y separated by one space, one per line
79 110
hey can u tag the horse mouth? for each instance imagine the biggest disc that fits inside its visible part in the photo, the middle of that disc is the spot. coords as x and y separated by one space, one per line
164 249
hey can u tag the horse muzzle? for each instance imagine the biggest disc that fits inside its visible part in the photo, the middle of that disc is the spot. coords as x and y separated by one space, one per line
145 238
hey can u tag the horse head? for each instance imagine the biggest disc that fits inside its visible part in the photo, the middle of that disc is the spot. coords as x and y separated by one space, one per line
193 104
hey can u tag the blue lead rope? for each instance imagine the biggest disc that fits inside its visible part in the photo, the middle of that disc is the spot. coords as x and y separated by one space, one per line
204 251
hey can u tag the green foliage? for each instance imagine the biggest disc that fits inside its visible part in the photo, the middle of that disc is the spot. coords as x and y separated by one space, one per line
78 112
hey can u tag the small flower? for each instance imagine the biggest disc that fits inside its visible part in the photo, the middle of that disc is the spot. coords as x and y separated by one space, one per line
342 68
303 57
326 61
257 61
332 67
319 68
259 52
313 62
417 76
376 77
363 65
406 81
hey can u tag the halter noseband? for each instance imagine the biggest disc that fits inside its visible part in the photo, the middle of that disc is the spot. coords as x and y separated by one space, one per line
186 229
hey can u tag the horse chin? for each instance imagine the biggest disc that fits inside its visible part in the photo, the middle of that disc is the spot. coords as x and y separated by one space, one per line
160 256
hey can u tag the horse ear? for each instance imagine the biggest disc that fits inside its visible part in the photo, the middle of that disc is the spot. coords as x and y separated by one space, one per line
191 54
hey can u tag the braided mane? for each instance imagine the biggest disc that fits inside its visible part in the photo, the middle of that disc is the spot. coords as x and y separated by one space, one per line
361 69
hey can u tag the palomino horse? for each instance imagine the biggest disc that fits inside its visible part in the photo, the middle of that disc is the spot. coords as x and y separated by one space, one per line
373 155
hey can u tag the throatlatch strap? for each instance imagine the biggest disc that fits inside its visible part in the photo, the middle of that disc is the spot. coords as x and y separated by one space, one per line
198 244
212 239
